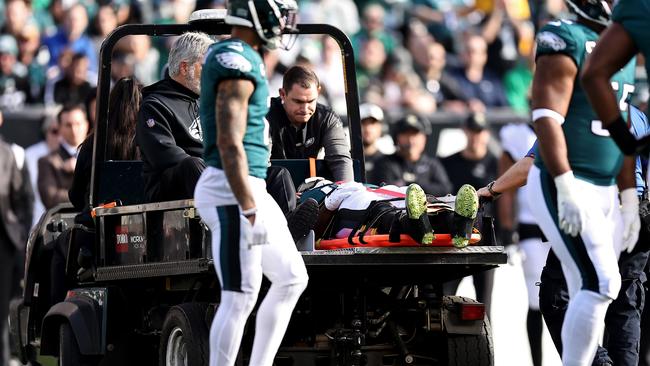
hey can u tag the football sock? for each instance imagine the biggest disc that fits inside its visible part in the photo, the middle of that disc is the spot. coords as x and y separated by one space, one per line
272 320
584 323
228 326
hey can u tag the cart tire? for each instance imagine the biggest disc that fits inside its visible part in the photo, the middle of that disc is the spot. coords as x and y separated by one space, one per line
69 353
471 350
185 336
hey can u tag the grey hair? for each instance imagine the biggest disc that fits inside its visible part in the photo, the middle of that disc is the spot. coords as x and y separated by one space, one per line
189 47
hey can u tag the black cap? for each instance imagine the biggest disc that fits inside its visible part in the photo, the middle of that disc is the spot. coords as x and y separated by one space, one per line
412 122
476 121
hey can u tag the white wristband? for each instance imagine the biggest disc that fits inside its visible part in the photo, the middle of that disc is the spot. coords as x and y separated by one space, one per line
250 212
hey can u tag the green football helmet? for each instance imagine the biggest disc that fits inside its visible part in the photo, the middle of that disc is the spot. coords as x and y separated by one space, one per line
599 11
269 18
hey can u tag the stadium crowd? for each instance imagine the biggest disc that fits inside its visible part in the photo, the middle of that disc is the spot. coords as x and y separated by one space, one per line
417 61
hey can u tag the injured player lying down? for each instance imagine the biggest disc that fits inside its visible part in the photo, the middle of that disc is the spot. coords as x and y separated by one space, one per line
350 209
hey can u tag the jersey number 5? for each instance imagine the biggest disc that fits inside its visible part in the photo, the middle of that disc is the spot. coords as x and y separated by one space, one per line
597 125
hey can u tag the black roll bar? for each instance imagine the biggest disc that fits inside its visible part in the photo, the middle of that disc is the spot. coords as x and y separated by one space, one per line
214 28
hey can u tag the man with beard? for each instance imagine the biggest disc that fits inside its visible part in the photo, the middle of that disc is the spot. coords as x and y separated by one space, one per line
168 130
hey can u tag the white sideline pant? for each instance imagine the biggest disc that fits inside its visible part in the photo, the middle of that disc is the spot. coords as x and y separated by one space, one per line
589 261
240 267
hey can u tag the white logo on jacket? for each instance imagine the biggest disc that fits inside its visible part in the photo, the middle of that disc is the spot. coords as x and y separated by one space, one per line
195 129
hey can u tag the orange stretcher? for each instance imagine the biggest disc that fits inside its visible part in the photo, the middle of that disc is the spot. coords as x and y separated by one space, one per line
381 240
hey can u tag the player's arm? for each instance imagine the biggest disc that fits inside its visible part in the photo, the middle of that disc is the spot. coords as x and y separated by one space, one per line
613 51
551 95
626 177
506 203
232 109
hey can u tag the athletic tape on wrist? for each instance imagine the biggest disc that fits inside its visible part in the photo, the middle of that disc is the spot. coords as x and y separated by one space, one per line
545 112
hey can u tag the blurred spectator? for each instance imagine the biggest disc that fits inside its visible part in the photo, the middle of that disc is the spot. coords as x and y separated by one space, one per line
480 86
274 72
439 17
17 16
15 217
90 104
342 14
55 170
518 80
173 11
104 23
146 59
73 88
372 126
71 35
370 65
302 128
32 62
415 98
409 164
438 81
477 166
372 27
330 71
33 153
14 90
122 65
500 29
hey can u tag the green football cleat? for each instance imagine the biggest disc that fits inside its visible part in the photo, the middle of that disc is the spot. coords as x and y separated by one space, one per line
466 202
416 201
459 242
466 208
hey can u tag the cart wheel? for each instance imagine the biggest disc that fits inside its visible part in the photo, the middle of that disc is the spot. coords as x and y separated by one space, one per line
471 350
184 338
69 354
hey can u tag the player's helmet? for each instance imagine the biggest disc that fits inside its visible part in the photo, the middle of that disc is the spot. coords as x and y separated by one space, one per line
599 11
267 17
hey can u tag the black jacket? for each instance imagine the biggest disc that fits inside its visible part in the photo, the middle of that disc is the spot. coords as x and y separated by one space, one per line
428 172
168 129
323 131
16 200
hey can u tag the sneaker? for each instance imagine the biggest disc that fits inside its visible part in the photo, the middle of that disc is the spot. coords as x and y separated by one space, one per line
303 218
416 201
466 207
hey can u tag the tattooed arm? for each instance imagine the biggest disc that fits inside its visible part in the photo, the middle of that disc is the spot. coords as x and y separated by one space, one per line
232 108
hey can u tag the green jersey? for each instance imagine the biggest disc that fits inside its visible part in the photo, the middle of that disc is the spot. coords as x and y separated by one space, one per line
235 59
592 153
633 15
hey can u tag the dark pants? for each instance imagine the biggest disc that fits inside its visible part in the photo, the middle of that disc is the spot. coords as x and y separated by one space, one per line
7 255
280 186
178 182
644 351
483 283
622 329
